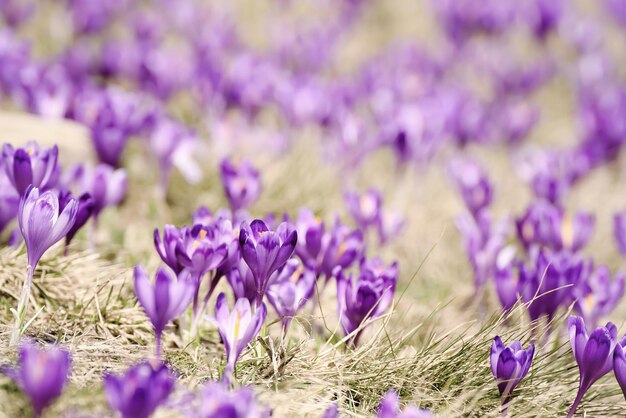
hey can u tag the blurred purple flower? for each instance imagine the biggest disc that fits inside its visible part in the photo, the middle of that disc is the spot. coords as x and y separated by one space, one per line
85 209
543 16
593 353
42 374
619 230
241 182
619 364
341 247
237 328
266 251
390 408
163 302
30 165
367 296
106 185
9 202
289 290
217 401
598 296
310 231
140 390
241 280
365 208
509 366
332 411
93 16
472 183
506 278
16 12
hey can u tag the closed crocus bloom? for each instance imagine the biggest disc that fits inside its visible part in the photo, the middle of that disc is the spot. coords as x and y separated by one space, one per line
310 231
341 247
505 278
42 223
540 225
593 354
41 374
217 401
163 301
390 408
166 246
139 392
367 296
9 202
237 328
472 183
509 365
365 208
619 230
242 282
619 364
84 211
30 165
598 295
389 225
266 251
241 183
106 185
290 289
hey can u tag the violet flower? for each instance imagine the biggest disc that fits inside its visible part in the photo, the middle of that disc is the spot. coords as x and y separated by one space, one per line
365 208
266 251
341 247
42 374
30 165
593 353
619 230
217 401
9 202
241 182
619 364
163 302
366 297
543 16
16 12
106 185
290 289
237 328
140 390
332 411
390 408
42 225
473 184
506 281
509 366
310 231
241 280
598 296
85 209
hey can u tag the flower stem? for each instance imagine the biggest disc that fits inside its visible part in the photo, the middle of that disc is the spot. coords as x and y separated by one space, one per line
158 346
22 305
579 397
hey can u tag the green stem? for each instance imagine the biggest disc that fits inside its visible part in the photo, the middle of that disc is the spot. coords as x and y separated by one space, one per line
22 305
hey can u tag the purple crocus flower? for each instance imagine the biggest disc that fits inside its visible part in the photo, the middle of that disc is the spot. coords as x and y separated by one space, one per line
593 353
472 183
619 364
30 165
341 247
543 16
139 392
85 209
291 287
509 366
42 223
619 230
237 328
42 374
163 302
598 295
106 185
16 12
217 401
310 231
390 408
365 208
548 282
266 251
332 411
367 296
241 182
505 279
241 280
389 225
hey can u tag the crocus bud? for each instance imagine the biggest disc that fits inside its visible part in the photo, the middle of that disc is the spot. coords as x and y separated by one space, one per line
42 223
593 354
237 327
367 296
291 287
163 302
106 185
84 211
509 366
366 208
266 251
42 374
472 183
241 182
619 364
30 165
310 230
139 392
